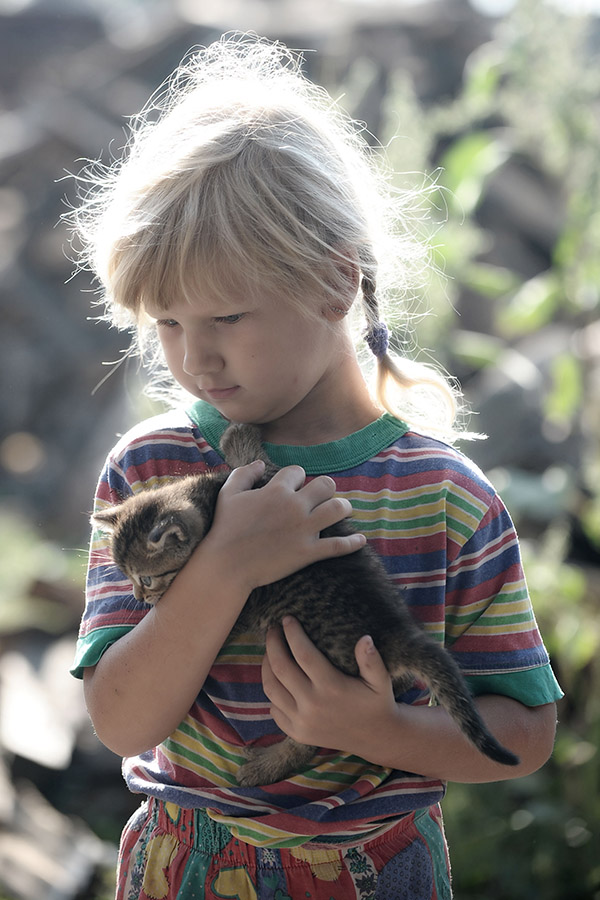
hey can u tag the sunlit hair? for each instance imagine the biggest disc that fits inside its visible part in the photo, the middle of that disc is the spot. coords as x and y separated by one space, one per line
242 177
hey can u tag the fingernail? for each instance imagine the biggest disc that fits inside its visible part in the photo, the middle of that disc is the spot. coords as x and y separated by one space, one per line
369 645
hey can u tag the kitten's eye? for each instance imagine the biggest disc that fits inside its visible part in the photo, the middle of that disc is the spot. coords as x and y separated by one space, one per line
146 580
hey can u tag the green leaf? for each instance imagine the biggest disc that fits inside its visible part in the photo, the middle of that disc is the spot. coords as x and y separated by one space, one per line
467 165
565 397
491 281
531 307
483 72
476 349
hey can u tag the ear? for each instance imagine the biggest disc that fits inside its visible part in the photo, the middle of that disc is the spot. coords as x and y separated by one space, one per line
166 534
345 281
106 519
348 268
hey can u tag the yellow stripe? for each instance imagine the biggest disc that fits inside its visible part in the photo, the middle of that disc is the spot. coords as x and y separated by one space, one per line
333 785
516 628
445 492
223 767
499 606
395 534
458 491
269 835
398 515
154 481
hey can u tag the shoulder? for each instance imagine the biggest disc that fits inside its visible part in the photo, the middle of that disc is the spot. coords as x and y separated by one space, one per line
172 426
426 460
159 448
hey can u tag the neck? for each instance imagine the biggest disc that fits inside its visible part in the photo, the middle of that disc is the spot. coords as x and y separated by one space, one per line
341 406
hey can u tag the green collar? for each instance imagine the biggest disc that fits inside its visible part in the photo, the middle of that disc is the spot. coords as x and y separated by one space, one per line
335 456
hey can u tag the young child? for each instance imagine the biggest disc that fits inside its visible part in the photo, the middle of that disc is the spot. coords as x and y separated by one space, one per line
244 229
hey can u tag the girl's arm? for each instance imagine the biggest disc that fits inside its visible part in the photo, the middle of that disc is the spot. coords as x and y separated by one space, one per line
316 704
146 682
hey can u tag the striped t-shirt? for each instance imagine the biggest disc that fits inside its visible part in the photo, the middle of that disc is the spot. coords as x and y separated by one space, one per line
443 534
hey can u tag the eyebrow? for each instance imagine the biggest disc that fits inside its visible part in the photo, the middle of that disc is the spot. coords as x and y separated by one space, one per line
213 310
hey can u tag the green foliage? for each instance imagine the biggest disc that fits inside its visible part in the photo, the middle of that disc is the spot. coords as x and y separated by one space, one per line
531 306
27 556
537 837
529 102
565 398
468 164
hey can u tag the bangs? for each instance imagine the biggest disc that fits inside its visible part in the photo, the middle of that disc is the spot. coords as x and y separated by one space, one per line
239 229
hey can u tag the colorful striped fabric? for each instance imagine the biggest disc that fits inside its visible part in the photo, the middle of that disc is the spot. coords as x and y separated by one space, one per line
443 534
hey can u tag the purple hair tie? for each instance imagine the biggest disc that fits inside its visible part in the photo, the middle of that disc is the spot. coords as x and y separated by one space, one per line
378 339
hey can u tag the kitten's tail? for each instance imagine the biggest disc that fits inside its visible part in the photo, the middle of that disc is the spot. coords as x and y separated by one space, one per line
241 445
436 667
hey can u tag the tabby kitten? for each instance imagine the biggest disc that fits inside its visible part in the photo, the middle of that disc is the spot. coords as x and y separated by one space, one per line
336 601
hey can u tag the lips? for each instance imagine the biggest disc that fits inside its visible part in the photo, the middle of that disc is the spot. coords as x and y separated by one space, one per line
221 393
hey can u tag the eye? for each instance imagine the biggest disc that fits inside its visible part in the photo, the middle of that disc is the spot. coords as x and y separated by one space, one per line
146 580
166 323
229 320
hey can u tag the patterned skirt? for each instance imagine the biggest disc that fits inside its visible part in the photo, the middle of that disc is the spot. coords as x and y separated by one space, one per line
170 853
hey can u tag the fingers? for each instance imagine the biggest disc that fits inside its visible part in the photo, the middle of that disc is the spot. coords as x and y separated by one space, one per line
283 649
292 664
339 545
320 489
279 525
292 477
370 664
318 494
244 478
294 674
310 660
277 669
314 702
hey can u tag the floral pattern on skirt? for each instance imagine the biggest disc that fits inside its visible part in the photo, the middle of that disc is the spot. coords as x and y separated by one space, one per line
170 853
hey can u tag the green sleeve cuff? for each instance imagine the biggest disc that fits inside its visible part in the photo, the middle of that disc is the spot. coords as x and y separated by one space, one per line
90 648
532 687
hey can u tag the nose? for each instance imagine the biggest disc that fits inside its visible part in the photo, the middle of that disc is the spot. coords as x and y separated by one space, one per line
201 357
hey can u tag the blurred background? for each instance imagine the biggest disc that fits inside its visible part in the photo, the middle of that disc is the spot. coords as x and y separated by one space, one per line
499 103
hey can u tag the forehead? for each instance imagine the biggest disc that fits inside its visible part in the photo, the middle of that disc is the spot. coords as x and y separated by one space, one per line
192 277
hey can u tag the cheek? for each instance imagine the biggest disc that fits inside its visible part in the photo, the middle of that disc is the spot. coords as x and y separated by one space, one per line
173 355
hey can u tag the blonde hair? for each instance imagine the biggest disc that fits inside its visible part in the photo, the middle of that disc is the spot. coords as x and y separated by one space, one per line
241 174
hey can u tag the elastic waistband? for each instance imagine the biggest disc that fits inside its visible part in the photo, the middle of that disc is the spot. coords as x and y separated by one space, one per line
197 829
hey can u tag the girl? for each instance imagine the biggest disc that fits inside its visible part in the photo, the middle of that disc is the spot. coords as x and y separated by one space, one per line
243 228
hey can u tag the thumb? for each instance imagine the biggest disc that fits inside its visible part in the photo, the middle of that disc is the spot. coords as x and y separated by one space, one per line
244 478
370 664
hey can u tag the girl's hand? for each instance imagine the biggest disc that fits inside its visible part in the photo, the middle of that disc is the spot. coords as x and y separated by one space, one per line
315 703
267 533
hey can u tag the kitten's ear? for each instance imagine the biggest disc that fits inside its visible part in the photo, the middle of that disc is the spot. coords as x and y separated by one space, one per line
106 519
167 534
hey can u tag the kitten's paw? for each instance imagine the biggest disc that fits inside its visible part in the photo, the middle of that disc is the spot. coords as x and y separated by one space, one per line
259 769
268 765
